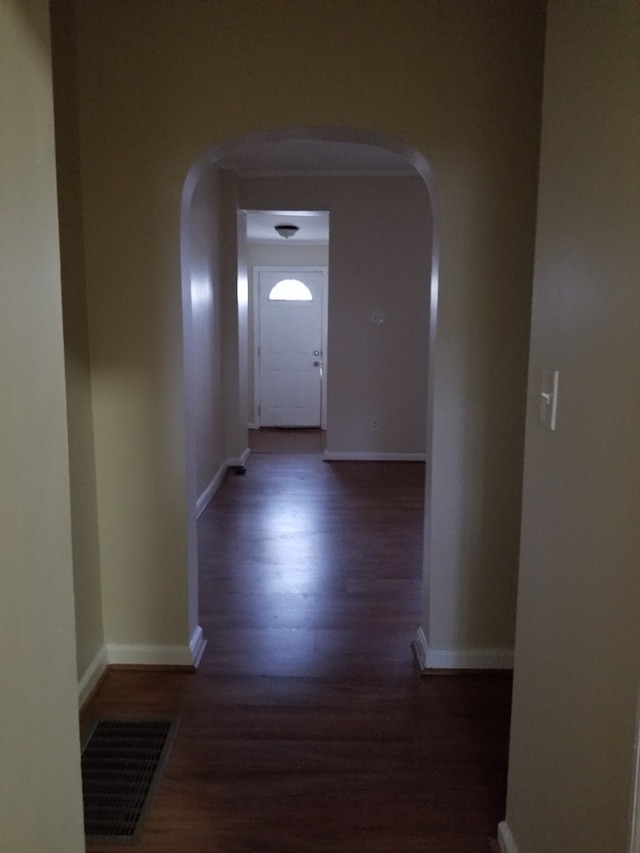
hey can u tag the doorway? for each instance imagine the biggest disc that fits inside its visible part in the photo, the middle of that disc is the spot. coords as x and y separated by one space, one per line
262 171
289 347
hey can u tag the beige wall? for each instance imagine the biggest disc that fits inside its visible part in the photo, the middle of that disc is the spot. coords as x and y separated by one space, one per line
161 83
578 644
40 793
245 398
205 374
285 255
234 322
469 77
86 553
379 260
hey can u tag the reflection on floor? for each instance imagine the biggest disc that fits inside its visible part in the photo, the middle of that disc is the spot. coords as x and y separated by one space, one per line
308 728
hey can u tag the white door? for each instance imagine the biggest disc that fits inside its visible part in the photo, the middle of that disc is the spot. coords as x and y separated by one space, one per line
290 347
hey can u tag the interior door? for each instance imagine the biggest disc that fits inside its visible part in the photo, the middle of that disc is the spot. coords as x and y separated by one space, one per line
290 347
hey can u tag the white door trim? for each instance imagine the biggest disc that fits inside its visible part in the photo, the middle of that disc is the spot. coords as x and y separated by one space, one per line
255 295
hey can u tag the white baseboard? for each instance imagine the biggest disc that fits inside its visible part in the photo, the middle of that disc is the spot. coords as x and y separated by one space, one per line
140 655
197 646
148 655
92 675
143 655
239 461
253 426
460 658
505 839
421 648
203 501
367 456
232 462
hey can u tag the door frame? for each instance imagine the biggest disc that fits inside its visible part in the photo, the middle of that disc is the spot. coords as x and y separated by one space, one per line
255 332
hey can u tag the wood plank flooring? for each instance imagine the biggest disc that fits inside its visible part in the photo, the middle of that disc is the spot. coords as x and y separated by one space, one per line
308 728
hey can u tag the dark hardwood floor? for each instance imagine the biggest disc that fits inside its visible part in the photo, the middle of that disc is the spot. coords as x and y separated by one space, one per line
308 728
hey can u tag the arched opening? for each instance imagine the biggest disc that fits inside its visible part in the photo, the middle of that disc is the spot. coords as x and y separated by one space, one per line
224 315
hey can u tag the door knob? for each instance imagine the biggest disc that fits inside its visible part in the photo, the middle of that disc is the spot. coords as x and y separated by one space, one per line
316 364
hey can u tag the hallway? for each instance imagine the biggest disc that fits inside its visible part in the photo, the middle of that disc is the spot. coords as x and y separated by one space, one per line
307 728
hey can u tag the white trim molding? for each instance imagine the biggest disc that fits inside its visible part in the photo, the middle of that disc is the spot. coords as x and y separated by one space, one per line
370 456
429 658
92 675
197 646
150 655
203 501
205 498
239 461
140 655
506 840
420 649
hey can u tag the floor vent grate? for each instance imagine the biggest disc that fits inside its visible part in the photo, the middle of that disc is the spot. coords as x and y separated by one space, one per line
120 767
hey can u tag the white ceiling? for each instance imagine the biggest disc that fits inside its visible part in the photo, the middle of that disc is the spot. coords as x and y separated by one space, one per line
313 226
307 157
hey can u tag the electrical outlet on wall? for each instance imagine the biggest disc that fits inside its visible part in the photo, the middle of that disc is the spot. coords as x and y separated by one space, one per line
374 425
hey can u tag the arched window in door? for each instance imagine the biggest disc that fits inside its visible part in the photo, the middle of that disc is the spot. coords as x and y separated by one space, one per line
290 290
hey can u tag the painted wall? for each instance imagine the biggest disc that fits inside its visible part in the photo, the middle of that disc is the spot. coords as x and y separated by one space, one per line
379 260
84 512
578 644
245 398
39 742
285 255
470 77
205 374
234 322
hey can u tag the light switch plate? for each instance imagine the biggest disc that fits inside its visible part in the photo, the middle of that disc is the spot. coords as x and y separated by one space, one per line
548 403
377 318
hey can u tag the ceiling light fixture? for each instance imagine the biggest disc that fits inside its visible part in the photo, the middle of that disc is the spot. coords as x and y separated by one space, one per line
286 231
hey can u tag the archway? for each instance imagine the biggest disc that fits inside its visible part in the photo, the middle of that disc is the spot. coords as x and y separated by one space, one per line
198 294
